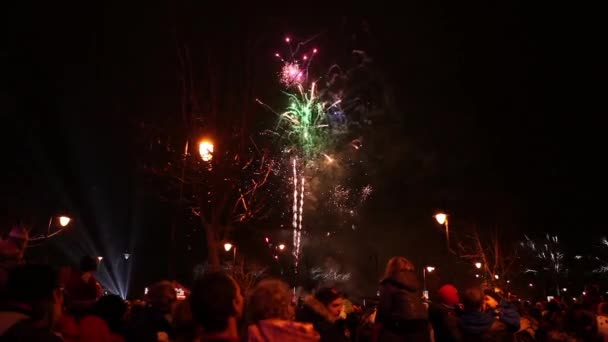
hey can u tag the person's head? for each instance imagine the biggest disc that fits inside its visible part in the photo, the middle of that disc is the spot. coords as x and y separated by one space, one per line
215 299
270 298
473 299
162 296
397 265
448 295
36 286
88 264
112 310
332 299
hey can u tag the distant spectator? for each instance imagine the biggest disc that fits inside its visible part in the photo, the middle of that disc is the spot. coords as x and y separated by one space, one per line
217 305
271 315
444 315
323 311
487 318
33 305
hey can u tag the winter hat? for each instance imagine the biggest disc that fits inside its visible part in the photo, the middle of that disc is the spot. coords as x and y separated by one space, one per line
448 294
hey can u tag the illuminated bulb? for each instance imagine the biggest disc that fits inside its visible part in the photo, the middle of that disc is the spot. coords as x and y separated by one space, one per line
430 269
227 246
314 50
478 265
287 40
64 220
441 218
281 247
205 149
304 58
496 276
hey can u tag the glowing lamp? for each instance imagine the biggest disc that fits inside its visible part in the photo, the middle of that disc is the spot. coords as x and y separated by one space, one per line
227 246
64 220
496 276
430 269
478 265
441 218
99 258
281 247
565 289
205 148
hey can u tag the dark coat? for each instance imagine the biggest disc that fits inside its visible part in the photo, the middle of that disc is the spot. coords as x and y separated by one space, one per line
401 313
444 319
330 329
400 299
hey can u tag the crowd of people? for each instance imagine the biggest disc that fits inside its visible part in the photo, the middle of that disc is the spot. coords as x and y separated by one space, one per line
40 304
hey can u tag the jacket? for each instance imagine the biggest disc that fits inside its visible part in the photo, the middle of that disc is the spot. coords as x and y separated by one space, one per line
400 299
489 326
276 330
330 328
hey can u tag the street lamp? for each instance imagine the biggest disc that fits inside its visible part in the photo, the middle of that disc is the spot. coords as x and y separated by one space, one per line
496 276
442 219
426 270
478 265
99 258
565 289
205 148
281 247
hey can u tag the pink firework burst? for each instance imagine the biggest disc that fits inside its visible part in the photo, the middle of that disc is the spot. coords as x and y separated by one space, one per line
291 74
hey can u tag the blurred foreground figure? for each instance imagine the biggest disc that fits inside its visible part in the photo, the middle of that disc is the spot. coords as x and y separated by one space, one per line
271 315
12 250
154 321
323 310
444 315
82 289
32 305
487 317
401 313
217 305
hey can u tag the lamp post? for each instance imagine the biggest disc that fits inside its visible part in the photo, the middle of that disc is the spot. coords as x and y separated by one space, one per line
442 219
426 269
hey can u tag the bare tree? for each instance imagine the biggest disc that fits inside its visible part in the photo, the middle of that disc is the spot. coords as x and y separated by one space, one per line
497 260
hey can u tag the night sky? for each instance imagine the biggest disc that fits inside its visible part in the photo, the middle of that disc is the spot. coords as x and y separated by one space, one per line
500 110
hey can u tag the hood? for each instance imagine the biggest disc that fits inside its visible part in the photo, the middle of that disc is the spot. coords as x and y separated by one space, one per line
280 330
476 323
405 280
318 308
